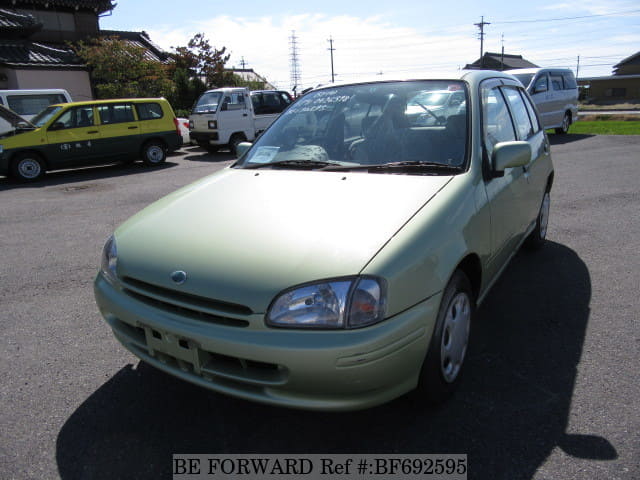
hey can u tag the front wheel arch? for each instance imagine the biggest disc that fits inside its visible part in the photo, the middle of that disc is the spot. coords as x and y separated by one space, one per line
17 156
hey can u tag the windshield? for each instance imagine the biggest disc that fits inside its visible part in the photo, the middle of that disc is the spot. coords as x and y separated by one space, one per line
356 126
207 103
525 78
432 99
45 115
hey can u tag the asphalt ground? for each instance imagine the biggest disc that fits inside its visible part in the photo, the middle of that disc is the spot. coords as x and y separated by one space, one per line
550 389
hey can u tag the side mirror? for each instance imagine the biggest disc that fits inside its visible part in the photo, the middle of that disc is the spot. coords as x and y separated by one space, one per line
540 89
510 154
242 148
22 125
224 107
56 126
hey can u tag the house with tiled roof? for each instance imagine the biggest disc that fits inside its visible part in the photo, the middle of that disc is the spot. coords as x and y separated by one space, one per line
499 61
35 37
620 87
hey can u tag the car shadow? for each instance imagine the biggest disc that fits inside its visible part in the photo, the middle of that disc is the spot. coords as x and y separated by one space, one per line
61 177
555 139
510 412
197 154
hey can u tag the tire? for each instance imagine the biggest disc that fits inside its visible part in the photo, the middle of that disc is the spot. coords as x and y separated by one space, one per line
154 153
234 141
444 361
28 167
566 122
538 236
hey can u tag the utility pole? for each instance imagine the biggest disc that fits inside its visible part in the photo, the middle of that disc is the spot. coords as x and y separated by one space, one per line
502 55
293 63
578 67
243 63
331 49
481 35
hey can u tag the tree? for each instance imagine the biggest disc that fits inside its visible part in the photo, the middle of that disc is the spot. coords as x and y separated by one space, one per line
203 61
120 69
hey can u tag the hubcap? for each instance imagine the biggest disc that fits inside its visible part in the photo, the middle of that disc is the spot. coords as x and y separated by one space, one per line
154 154
29 168
565 123
544 215
455 336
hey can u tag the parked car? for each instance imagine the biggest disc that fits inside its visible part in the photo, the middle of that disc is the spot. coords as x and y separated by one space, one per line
339 262
183 124
224 117
555 93
85 133
28 103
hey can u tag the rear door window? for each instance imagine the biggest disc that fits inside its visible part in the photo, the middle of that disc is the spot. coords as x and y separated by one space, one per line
116 113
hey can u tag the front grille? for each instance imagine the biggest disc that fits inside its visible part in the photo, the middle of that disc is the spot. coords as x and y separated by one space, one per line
186 305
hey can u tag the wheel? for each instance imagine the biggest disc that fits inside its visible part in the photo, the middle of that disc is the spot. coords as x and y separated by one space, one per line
538 236
28 167
564 128
154 153
234 141
443 363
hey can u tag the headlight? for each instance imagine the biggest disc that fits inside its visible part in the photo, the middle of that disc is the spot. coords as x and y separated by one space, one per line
343 303
109 259
213 124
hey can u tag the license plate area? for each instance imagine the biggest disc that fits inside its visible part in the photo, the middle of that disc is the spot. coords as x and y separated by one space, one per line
167 347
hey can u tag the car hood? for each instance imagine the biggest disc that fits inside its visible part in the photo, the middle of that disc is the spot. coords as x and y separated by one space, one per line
13 118
243 236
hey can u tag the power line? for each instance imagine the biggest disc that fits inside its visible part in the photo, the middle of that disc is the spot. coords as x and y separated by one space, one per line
567 18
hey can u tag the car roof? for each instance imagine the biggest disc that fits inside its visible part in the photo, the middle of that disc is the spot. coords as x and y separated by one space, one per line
469 76
536 70
109 101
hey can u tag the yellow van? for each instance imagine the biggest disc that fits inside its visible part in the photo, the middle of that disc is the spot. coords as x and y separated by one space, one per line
86 133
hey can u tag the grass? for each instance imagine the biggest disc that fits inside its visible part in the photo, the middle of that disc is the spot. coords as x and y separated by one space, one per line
606 127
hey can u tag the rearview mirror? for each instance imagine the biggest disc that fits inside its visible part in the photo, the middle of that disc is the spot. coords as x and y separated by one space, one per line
510 154
242 148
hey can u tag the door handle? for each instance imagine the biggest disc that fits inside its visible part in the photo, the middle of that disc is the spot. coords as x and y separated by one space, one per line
92 131
244 114
132 128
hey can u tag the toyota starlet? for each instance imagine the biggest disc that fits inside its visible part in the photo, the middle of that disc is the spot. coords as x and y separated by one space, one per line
338 263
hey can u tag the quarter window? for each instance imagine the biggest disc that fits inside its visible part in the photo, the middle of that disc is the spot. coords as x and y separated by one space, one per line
116 113
149 111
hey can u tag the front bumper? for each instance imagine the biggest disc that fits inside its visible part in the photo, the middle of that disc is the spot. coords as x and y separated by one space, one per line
208 138
316 370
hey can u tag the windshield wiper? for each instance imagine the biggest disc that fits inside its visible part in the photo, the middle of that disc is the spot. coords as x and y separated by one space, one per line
406 166
304 164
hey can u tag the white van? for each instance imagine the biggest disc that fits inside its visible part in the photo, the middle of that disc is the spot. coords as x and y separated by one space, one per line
555 93
28 103
227 116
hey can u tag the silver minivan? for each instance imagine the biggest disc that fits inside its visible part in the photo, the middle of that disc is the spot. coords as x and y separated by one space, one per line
555 93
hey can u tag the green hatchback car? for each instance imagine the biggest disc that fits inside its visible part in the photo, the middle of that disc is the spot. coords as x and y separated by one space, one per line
339 262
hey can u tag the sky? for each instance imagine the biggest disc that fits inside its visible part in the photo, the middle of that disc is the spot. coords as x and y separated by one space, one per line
402 38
